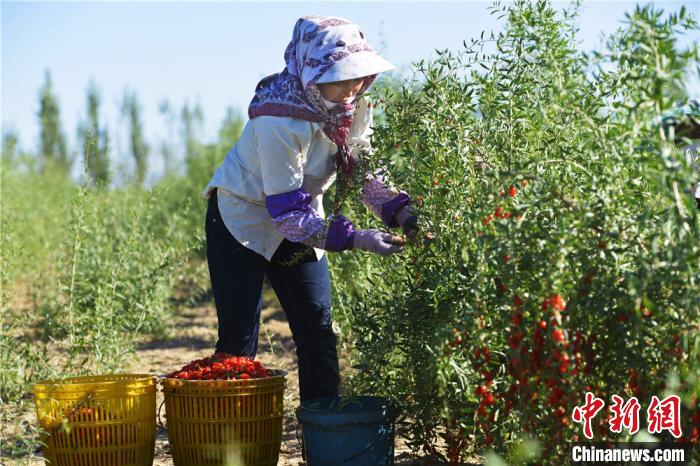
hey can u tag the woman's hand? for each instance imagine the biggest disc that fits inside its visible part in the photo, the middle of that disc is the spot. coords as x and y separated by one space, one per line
378 242
407 219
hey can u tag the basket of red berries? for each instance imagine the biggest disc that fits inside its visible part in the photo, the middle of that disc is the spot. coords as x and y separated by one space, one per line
223 408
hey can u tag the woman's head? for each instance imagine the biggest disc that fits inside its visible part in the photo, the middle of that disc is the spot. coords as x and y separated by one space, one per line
341 91
329 65
329 49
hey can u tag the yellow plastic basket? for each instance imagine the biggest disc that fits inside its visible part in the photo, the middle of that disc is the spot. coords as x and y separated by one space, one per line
225 422
105 420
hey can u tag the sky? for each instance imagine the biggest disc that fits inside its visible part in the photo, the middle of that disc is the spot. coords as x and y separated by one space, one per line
213 53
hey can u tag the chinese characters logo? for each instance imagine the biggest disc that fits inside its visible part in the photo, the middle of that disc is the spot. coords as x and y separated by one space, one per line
661 415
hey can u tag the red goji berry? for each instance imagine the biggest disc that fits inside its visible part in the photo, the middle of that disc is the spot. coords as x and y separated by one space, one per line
558 335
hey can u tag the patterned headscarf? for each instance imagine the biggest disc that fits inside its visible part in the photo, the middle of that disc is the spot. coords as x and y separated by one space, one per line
318 43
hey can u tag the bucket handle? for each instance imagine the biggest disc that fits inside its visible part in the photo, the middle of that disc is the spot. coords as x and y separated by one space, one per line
300 441
160 423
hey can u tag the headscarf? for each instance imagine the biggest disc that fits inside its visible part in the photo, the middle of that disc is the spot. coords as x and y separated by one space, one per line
320 43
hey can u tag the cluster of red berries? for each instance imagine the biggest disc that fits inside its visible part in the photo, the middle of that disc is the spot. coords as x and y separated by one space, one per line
499 212
221 366
486 410
544 361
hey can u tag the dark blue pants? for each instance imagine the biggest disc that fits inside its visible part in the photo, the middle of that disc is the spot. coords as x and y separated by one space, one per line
303 289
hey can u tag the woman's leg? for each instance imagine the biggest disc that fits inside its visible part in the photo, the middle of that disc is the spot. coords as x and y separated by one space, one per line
304 290
237 275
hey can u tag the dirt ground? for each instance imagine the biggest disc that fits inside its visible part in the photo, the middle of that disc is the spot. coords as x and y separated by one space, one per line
194 336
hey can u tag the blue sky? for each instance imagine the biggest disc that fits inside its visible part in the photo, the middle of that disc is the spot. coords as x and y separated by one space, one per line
211 52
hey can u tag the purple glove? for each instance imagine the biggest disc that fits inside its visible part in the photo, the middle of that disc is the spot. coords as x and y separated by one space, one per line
379 242
407 220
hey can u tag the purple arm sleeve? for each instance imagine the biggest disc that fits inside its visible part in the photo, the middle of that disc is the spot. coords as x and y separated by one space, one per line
300 223
382 200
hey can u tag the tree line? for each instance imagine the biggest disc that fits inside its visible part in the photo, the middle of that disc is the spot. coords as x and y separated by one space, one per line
95 145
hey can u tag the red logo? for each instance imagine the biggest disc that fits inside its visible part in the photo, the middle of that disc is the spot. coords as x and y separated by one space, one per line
585 414
626 415
665 415
661 415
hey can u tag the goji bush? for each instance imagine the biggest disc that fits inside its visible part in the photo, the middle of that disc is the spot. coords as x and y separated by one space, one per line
566 257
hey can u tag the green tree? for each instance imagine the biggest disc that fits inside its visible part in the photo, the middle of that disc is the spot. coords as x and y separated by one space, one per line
191 119
656 69
95 140
166 147
52 148
231 128
202 163
131 110
10 141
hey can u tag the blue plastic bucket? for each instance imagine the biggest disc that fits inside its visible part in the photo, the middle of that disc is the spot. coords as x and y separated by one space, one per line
348 431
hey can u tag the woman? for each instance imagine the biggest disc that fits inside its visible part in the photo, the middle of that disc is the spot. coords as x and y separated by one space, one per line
265 200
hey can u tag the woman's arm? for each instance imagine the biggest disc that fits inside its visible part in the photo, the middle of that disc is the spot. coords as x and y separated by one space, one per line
299 222
282 145
383 200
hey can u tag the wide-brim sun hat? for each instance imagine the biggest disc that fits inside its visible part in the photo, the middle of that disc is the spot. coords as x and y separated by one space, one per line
356 65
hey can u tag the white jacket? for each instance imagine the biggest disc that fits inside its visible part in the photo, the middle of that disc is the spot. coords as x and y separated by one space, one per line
276 155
